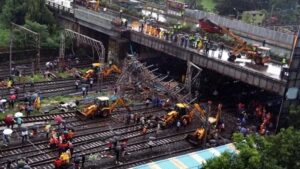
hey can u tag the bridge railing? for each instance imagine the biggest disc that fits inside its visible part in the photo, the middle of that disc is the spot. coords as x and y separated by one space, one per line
61 8
279 38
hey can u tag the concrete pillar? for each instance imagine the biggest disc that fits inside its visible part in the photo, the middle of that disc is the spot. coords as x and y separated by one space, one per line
293 82
117 50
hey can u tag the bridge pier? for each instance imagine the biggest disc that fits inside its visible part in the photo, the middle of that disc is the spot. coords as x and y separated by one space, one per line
292 87
117 50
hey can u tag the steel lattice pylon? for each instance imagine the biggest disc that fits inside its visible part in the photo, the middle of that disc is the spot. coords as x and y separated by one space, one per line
37 44
96 44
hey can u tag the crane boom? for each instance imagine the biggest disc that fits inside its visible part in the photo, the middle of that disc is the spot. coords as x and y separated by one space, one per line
241 45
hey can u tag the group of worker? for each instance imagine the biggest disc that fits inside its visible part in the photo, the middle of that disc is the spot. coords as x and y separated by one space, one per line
185 40
61 138
84 86
257 112
118 147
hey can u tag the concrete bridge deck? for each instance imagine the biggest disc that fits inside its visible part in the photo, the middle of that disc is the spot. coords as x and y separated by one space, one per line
266 78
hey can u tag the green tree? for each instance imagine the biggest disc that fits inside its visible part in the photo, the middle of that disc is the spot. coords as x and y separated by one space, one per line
294 116
34 15
281 151
2 2
38 12
230 7
13 11
196 4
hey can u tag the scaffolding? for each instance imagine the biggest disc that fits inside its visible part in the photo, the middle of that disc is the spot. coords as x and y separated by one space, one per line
135 72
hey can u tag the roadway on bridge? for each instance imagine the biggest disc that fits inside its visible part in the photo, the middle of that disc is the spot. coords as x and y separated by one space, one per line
270 70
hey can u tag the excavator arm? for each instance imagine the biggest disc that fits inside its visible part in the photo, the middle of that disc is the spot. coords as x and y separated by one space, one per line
97 5
197 108
112 69
199 133
88 74
119 101
211 27
241 45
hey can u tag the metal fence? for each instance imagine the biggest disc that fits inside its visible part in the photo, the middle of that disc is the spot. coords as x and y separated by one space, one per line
59 7
271 36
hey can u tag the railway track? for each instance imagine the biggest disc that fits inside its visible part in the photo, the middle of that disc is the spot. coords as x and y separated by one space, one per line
141 152
66 115
4 70
53 88
99 146
84 139
93 139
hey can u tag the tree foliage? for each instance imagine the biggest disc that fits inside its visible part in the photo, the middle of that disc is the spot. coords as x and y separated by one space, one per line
281 151
294 116
34 15
230 7
287 11
13 11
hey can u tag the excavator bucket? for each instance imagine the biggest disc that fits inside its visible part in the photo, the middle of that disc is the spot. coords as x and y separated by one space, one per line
89 110
209 26
197 137
193 140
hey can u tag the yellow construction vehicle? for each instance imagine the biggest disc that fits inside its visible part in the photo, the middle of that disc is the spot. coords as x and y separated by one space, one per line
97 6
197 137
179 111
92 72
186 119
216 119
105 72
112 69
102 108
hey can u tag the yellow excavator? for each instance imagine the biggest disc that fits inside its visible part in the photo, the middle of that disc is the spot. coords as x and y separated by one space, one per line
113 69
186 119
91 72
102 108
179 111
215 120
105 72
197 137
